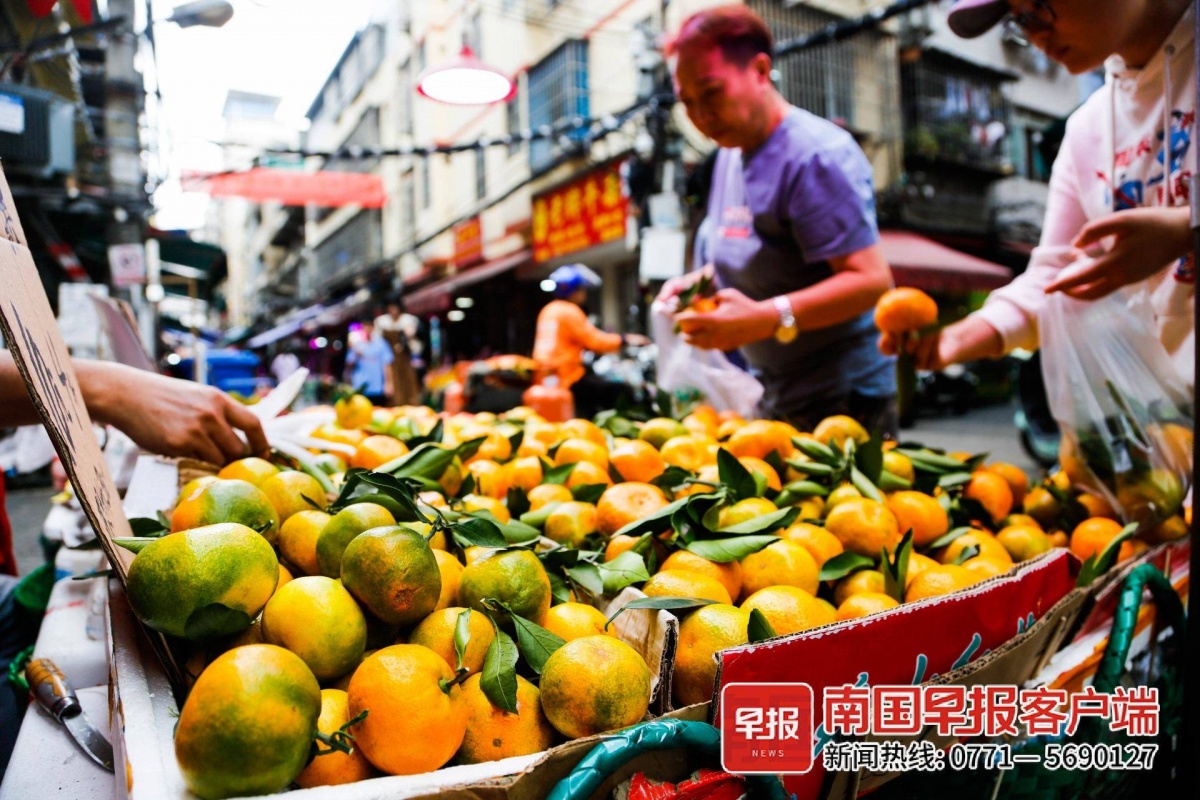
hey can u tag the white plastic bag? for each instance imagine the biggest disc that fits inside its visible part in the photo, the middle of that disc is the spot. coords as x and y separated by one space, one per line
682 367
1124 411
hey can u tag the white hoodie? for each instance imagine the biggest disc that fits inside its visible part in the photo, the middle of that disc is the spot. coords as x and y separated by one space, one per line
1119 132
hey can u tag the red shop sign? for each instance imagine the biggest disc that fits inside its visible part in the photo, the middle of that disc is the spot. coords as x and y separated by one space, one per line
588 211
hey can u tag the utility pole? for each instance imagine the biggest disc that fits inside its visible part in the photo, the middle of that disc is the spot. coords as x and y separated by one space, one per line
123 98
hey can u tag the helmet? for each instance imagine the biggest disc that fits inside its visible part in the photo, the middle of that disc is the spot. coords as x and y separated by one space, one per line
571 278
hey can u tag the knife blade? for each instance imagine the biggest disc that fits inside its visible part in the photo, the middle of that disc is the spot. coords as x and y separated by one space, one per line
55 694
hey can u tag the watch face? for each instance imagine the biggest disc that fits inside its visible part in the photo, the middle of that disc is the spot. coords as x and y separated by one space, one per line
785 335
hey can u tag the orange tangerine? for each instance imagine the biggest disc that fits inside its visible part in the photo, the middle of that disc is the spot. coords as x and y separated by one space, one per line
864 603
572 451
903 310
992 491
491 479
624 503
728 575
759 438
1092 535
377 450
863 526
820 543
547 493
678 583
586 473
781 563
636 460
940 580
921 513
790 609
525 473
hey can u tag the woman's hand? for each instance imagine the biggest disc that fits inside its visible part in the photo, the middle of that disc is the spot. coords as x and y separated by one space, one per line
1144 241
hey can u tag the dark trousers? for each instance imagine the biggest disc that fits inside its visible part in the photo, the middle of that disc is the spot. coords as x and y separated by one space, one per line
876 414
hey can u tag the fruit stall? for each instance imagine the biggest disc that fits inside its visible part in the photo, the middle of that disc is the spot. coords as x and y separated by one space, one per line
401 603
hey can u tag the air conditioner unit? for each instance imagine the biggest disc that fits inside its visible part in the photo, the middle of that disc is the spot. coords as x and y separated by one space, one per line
37 131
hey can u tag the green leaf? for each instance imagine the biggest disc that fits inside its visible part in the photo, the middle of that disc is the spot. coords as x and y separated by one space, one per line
214 621
590 493
724 551
864 485
516 532
767 522
134 544
890 482
145 526
760 483
624 570
470 447
467 486
658 521
1102 562
537 644
948 537
952 479
869 457
515 441
588 577
759 629
734 475
967 554
817 451
557 475
462 635
498 679
517 501
843 564
477 531
811 467
929 461
537 519
428 460
660 603
895 568
672 478
559 588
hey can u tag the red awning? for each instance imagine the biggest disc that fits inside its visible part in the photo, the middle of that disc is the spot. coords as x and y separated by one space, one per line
436 297
324 188
924 264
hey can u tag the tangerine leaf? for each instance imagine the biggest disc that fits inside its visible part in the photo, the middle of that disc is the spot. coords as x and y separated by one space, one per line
590 493
735 475
724 551
557 475
627 568
462 635
767 522
759 628
498 679
661 604
843 564
588 577
535 642
479 532
145 526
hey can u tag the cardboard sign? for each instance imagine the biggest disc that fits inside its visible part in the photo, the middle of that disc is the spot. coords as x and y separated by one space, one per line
907 645
42 359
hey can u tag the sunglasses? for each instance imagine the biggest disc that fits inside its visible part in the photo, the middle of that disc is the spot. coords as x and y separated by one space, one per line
1038 18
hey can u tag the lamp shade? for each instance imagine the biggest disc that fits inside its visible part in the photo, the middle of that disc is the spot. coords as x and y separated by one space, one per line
465 81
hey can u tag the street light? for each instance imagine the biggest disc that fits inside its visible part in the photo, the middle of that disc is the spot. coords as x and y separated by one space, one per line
465 81
206 13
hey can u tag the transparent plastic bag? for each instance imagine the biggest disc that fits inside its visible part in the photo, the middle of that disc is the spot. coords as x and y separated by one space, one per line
683 368
1124 411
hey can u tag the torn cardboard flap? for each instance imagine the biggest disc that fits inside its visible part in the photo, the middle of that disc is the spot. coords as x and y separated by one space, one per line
41 357
654 634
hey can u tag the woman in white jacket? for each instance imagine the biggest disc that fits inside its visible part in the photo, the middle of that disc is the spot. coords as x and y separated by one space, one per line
1118 212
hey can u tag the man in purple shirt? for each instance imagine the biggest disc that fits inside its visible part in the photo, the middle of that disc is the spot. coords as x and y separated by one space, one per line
790 233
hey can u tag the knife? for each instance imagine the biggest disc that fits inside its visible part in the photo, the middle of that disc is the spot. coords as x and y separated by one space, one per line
51 689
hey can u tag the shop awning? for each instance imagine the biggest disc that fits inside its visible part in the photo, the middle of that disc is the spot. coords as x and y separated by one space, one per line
436 297
924 264
286 328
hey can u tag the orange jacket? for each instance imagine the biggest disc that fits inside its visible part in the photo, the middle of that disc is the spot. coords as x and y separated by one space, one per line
563 333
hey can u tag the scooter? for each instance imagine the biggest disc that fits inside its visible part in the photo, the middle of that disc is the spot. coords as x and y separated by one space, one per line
1040 435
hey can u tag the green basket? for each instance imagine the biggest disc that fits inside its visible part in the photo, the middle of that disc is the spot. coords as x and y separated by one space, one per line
1032 780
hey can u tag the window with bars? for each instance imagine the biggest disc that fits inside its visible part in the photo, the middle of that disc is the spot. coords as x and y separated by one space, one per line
820 79
557 89
512 121
426 184
480 173
955 112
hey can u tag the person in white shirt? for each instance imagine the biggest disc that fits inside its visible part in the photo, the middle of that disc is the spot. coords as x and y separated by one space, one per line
399 330
1118 214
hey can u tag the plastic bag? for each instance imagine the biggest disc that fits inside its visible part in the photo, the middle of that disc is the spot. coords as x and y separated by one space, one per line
1124 411
682 368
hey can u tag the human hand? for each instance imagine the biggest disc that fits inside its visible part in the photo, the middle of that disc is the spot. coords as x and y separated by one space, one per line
169 416
676 286
1144 240
736 321
966 340
636 339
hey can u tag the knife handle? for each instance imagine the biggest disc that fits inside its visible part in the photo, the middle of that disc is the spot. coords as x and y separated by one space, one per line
50 687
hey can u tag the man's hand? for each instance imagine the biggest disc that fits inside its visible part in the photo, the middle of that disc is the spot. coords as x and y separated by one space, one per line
169 416
636 339
737 321
966 340
676 286
1144 241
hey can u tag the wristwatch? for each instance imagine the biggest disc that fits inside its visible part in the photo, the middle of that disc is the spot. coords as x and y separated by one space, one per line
786 331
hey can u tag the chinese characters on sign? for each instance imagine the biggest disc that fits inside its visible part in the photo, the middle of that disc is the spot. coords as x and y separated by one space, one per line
468 243
585 212
768 727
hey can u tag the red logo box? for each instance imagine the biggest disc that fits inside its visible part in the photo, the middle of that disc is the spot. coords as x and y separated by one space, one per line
767 728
